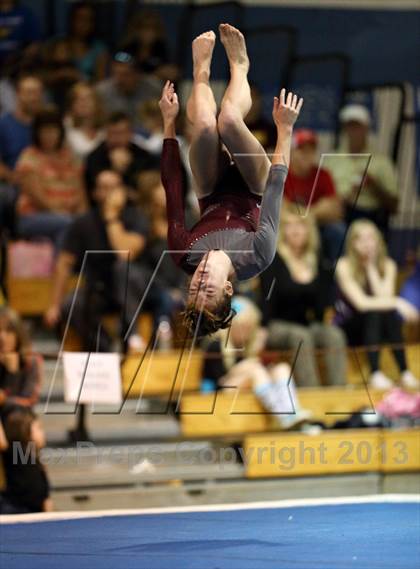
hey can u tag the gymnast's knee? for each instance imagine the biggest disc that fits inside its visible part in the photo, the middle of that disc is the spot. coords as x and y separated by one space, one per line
228 120
205 125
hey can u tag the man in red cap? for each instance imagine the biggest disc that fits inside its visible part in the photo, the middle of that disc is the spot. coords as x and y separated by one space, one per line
312 188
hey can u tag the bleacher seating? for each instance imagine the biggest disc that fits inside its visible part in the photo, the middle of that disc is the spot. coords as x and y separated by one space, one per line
333 452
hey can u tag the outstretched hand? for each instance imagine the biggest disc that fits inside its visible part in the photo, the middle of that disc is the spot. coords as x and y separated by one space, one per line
169 105
286 109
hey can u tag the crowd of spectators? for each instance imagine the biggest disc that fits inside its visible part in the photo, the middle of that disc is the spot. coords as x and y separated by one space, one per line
80 141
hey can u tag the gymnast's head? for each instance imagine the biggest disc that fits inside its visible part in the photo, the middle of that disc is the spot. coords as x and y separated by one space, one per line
209 296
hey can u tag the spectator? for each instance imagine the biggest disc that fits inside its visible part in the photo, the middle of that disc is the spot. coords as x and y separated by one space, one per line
88 52
118 152
127 87
312 187
20 370
245 342
146 40
411 288
27 486
15 136
84 120
50 180
232 362
16 127
150 135
296 289
152 201
61 72
378 197
7 94
20 33
367 305
150 138
117 232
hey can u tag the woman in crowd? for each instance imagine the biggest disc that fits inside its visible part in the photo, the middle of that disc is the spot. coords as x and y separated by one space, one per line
60 72
232 362
368 309
296 290
21 370
239 190
27 487
84 120
146 39
89 53
50 180
169 280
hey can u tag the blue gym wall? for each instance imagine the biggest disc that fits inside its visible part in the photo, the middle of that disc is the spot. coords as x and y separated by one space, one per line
384 45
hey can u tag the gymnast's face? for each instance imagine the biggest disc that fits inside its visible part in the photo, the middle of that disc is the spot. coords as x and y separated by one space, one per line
209 284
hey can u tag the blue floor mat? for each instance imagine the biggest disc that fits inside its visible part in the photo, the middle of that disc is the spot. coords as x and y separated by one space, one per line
343 536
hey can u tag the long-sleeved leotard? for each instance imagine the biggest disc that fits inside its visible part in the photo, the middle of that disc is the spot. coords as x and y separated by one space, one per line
241 223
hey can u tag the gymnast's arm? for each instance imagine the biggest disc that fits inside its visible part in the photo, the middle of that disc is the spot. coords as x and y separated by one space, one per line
171 170
265 239
285 113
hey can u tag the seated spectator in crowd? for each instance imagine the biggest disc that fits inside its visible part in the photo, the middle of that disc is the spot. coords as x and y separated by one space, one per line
296 289
20 33
127 87
263 129
84 120
15 136
312 187
231 361
411 288
27 486
378 197
118 152
21 370
146 40
7 94
238 354
50 180
367 308
150 138
150 135
152 202
60 71
89 54
117 232
16 127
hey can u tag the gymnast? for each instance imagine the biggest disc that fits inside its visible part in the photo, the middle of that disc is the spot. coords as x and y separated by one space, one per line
239 190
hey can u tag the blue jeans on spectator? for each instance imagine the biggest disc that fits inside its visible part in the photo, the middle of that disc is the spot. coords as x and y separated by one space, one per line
44 224
332 237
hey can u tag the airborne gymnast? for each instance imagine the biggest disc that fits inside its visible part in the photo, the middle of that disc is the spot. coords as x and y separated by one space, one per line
238 188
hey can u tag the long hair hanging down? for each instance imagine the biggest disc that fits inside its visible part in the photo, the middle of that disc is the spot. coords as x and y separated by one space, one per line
200 321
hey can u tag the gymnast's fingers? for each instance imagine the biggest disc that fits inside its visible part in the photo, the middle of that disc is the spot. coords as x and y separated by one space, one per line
282 96
299 105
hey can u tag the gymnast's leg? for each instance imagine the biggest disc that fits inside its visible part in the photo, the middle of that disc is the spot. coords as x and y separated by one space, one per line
201 112
246 151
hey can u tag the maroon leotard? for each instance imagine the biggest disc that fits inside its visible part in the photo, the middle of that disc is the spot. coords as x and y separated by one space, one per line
227 208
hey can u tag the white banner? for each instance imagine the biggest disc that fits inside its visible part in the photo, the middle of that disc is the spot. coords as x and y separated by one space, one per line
92 378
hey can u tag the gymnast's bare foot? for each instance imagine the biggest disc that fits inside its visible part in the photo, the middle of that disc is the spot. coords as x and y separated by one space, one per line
202 49
235 47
